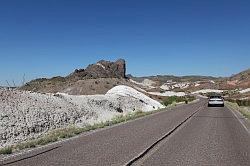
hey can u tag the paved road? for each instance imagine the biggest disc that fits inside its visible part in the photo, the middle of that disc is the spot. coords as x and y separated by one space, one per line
212 136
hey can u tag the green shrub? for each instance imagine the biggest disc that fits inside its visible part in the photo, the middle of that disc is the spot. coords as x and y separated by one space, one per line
246 102
231 100
7 150
177 99
240 102
162 91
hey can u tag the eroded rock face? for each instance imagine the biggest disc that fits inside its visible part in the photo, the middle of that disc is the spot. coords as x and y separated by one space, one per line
102 69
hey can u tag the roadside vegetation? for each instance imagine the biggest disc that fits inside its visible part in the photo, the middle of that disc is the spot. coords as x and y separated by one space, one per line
245 111
7 150
240 102
177 99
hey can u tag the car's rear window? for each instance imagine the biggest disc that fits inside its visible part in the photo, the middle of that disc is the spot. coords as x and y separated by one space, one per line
215 99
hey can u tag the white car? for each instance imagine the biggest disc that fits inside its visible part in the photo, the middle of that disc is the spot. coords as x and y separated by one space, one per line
216 101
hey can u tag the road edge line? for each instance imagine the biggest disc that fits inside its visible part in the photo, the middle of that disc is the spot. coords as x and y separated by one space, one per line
243 125
145 151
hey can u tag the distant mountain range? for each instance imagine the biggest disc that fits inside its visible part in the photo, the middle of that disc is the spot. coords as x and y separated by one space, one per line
240 80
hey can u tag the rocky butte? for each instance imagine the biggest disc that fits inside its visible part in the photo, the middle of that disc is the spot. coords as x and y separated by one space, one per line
97 78
102 69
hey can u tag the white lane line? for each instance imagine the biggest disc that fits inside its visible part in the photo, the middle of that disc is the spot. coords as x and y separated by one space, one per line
244 126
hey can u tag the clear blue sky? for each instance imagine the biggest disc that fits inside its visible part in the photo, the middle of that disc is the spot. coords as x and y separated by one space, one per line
53 37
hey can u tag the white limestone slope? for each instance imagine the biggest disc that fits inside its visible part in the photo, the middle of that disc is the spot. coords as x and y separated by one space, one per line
245 90
25 115
168 93
146 83
208 91
125 91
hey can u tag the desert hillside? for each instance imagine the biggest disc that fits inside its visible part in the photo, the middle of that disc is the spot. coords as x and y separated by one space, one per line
236 85
97 78
240 81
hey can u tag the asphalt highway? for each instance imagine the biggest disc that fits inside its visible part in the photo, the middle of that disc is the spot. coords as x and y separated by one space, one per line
213 137
190 134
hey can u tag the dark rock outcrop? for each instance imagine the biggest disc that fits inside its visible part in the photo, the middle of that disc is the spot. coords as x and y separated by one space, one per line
102 69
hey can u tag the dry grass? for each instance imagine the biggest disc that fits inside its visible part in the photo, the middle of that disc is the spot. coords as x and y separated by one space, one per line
243 110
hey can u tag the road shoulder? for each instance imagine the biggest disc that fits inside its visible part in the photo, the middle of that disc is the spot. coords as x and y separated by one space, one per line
243 120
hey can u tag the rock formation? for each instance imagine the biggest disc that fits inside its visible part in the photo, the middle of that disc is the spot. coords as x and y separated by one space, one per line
102 69
97 78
